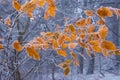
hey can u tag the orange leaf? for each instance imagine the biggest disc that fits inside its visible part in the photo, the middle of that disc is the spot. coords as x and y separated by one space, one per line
95 45
46 15
72 45
81 43
82 36
8 21
28 8
62 53
96 48
51 2
117 52
41 3
100 22
45 46
88 21
64 46
71 28
31 52
16 5
55 44
51 7
94 42
60 39
66 71
34 1
91 28
103 32
81 22
105 54
16 45
1 46
76 62
89 12
118 12
65 66
79 30
65 63
30 15
49 34
104 12
108 45
51 10
67 38
73 37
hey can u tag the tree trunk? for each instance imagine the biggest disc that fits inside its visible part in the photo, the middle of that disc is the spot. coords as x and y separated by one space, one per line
91 65
13 67
80 69
53 72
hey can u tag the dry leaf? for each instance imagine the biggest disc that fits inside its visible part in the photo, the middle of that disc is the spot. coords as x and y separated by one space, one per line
62 53
83 35
74 56
60 39
67 38
117 52
52 10
45 46
81 43
88 21
96 48
1 46
72 45
16 45
101 22
46 15
32 53
16 5
28 8
91 28
71 28
49 34
41 3
89 12
73 37
118 12
66 71
104 52
65 64
8 21
81 22
104 12
55 44
95 45
51 2
103 32
64 46
108 45
94 42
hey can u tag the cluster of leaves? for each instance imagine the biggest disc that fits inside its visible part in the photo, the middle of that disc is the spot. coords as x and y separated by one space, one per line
31 5
86 33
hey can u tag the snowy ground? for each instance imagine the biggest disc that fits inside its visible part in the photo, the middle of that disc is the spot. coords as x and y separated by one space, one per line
107 76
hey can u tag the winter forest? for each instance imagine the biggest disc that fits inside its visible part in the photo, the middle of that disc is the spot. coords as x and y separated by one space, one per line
59 40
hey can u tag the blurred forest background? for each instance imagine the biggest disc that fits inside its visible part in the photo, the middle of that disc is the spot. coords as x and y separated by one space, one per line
18 66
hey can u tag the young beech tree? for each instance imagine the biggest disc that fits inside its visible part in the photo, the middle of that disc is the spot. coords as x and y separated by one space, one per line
85 32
